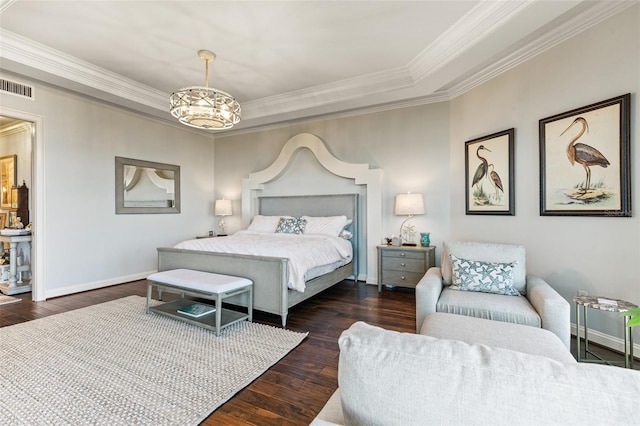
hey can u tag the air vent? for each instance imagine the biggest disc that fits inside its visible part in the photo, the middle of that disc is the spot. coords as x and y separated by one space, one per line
15 88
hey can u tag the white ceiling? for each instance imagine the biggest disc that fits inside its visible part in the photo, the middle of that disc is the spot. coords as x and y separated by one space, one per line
283 60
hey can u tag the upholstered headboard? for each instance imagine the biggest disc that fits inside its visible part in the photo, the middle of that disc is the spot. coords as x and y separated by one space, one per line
317 205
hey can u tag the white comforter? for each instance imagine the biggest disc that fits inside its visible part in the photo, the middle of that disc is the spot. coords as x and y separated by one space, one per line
304 252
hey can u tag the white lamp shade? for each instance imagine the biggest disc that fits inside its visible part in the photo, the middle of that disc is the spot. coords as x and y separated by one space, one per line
409 204
223 208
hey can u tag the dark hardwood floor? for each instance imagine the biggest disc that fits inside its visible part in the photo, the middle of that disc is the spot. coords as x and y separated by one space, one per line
294 390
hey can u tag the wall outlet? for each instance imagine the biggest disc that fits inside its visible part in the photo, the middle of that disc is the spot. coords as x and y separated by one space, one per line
583 293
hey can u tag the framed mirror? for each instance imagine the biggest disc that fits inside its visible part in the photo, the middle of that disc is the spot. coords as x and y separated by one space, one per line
146 187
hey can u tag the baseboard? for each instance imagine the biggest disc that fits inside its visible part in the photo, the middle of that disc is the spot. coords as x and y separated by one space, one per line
606 340
63 291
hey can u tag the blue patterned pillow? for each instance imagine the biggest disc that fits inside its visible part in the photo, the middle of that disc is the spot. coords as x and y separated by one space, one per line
485 277
293 225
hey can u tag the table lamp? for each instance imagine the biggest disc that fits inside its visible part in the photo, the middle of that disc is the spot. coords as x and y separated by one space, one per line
222 208
408 205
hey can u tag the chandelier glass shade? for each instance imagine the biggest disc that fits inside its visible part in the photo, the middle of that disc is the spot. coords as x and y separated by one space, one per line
204 107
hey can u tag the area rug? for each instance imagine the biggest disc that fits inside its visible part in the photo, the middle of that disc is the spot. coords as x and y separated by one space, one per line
5 300
113 364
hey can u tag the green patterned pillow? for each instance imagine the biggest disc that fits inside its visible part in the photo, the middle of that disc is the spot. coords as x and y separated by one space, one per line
485 277
293 225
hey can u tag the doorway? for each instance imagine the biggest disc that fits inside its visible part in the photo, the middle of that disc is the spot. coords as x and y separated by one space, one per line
21 144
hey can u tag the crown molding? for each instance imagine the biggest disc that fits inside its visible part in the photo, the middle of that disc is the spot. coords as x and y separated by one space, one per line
480 21
594 15
41 57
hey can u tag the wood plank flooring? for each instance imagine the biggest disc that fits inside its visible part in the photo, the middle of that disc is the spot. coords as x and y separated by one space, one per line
294 390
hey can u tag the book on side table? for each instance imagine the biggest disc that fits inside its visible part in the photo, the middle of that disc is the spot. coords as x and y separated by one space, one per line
197 310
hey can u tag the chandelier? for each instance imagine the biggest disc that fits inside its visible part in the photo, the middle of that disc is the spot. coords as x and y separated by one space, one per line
203 107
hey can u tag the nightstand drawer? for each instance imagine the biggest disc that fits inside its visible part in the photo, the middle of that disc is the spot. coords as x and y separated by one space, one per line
403 279
404 254
403 264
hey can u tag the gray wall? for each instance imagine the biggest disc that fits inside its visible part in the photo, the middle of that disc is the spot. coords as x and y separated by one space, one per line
86 244
600 255
421 149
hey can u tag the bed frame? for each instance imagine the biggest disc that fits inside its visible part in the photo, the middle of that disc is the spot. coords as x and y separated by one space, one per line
270 274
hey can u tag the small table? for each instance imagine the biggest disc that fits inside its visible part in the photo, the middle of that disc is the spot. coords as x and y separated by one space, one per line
15 283
609 305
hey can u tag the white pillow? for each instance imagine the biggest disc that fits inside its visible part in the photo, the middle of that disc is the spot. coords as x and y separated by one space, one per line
264 224
328 225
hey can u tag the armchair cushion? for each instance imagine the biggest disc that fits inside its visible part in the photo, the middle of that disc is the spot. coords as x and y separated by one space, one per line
495 307
486 252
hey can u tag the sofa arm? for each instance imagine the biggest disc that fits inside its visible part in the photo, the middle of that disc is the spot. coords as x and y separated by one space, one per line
553 309
428 292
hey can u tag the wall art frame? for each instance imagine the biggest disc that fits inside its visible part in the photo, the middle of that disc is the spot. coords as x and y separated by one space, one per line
4 220
489 174
585 162
8 178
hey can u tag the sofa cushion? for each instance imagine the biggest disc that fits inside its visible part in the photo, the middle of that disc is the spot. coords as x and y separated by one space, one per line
391 378
486 277
498 334
495 307
486 252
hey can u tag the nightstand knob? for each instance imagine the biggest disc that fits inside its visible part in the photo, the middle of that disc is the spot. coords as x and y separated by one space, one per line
402 254
402 264
402 278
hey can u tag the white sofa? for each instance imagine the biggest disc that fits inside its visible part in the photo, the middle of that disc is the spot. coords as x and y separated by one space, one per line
539 304
469 371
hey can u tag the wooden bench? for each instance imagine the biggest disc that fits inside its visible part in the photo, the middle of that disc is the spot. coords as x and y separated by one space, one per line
205 285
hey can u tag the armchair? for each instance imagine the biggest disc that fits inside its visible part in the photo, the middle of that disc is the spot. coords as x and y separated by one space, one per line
538 305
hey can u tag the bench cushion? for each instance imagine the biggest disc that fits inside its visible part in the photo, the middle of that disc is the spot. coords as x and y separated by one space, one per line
205 282
477 331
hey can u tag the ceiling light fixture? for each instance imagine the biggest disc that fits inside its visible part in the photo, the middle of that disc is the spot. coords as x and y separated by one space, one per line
204 107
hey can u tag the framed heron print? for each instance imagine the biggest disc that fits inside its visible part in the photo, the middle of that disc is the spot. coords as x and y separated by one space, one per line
489 182
585 161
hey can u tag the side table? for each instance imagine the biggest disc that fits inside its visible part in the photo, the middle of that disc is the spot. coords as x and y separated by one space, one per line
403 266
609 305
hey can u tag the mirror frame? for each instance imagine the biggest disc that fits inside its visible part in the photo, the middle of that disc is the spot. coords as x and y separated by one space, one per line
120 207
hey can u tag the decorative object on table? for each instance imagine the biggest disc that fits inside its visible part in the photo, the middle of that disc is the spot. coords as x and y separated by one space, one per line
4 218
388 240
408 205
203 107
489 175
222 208
425 239
608 305
8 179
585 160
171 367
20 201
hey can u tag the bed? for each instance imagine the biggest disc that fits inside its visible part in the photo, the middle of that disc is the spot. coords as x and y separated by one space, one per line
270 275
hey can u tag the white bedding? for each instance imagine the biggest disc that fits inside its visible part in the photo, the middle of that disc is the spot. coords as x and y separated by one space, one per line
306 253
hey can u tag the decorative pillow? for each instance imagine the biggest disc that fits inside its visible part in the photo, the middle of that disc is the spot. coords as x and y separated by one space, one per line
294 225
327 225
485 277
347 235
266 224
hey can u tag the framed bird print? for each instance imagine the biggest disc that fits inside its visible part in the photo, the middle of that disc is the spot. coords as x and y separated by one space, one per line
489 181
585 161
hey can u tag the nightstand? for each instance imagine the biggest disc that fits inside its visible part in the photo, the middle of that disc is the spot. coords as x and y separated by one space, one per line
404 266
